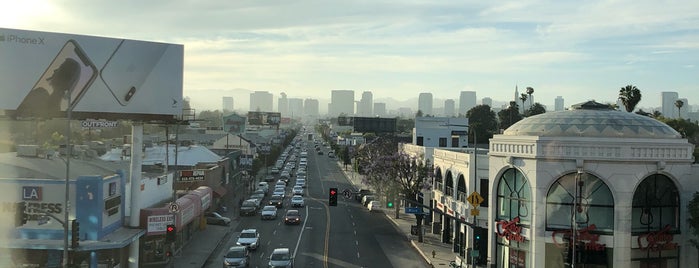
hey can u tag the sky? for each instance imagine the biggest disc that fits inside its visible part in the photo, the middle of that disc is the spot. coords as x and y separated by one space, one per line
580 50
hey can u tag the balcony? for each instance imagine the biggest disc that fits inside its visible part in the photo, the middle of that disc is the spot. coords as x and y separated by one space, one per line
449 191
438 186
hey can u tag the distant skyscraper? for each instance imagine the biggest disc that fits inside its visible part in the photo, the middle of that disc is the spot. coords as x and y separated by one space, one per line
487 101
366 104
467 100
380 109
669 109
424 103
262 101
311 108
341 102
227 104
295 108
283 105
559 106
449 108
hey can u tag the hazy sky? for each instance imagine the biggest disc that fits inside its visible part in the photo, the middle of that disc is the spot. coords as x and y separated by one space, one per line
580 50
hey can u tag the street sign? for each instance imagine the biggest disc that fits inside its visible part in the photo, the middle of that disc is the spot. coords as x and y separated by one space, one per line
174 207
346 193
475 212
475 253
416 210
475 199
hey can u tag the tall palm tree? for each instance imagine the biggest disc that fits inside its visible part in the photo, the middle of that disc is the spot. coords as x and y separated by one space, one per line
679 104
630 96
523 97
530 91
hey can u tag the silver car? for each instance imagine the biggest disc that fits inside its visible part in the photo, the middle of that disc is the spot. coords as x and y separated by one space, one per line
281 257
249 238
237 256
269 213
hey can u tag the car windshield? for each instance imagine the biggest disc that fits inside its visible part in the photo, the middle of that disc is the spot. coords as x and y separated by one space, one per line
279 257
247 235
238 253
269 209
297 198
248 204
292 213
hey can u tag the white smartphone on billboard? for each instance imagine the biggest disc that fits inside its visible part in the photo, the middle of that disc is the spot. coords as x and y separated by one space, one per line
62 84
129 66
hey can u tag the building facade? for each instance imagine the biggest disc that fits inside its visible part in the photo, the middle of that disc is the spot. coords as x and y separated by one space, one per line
261 101
341 102
424 103
441 132
380 109
449 108
668 108
467 100
365 106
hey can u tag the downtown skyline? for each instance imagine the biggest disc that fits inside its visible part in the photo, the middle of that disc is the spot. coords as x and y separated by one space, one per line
579 51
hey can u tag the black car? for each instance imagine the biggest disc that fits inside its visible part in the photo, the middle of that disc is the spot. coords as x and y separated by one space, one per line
277 201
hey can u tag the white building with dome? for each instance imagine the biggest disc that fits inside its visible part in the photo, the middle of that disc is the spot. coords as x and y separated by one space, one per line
615 184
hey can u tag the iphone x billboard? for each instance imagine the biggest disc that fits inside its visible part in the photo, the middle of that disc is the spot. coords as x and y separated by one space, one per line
45 75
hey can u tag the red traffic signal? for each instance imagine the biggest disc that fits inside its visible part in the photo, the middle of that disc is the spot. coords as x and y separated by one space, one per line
170 228
332 199
333 191
170 233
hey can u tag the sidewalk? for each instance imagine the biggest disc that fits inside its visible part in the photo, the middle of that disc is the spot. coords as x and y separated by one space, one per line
443 253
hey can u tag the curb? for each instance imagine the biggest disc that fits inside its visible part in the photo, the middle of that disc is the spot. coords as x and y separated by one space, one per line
219 244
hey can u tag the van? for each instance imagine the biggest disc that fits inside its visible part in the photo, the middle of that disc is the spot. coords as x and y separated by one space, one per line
366 199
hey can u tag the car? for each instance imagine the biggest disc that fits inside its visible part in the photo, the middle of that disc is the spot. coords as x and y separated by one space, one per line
366 199
260 191
320 152
277 201
249 207
281 257
263 185
361 193
297 201
279 191
257 196
331 154
217 219
298 190
237 256
292 216
269 213
280 183
301 182
274 171
249 238
374 206
269 178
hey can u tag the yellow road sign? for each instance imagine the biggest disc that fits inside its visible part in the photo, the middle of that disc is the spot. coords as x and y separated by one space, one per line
475 212
475 199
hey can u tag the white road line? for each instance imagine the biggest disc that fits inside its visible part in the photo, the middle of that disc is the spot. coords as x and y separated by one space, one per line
305 220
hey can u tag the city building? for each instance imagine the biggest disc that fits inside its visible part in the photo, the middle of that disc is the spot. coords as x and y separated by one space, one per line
311 110
380 109
227 104
283 105
341 102
467 100
487 101
441 132
559 104
261 101
365 106
449 108
668 108
424 103
295 108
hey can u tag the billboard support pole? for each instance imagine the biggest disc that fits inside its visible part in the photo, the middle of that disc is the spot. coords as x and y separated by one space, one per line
69 152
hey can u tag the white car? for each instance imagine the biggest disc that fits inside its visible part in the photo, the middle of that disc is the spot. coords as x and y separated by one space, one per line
374 206
298 190
249 238
297 201
301 182
279 191
269 212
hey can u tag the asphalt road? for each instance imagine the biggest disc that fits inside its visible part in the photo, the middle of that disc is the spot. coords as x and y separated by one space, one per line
347 235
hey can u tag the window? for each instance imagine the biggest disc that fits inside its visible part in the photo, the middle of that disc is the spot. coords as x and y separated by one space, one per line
585 195
420 141
514 197
455 142
484 192
442 142
655 205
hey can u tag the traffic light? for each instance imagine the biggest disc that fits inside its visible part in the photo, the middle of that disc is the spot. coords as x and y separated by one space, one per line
74 234
389 204
480 243
332 198
170 233
21 216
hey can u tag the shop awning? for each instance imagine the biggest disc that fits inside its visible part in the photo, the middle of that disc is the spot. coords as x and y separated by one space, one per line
220 191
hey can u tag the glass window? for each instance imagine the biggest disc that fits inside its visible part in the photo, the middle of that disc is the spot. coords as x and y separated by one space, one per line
582 198
655 205
514 197
442 142
438 181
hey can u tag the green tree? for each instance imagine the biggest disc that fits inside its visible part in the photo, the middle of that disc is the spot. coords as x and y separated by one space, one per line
535 109
509 116
483 121
679 104
419 113
523 98
630 96
693 219
530 91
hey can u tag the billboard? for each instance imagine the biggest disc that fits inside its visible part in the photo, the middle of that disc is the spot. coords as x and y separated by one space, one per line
234 124
46 74
264 118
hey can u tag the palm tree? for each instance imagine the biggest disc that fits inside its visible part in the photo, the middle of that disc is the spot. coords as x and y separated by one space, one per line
630 96
530 91
679 104
523 97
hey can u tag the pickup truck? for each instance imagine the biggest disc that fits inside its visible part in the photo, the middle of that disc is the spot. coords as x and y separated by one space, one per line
249 207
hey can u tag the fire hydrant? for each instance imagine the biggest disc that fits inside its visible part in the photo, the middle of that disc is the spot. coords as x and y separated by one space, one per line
434 254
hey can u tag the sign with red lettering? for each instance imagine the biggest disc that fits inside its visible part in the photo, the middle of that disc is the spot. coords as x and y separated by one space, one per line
589 240
657 241
510 230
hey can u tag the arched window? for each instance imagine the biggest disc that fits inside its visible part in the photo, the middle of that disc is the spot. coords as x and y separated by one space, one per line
461 189
581 198
514 197
656 205
449 185
438 181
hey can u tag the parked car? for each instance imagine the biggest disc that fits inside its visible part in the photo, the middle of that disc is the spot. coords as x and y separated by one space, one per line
249 207
374 206
237 256
366 199
281 257
249 238
292 217
269 213
331 154
217 219
359 195
297 201
277 201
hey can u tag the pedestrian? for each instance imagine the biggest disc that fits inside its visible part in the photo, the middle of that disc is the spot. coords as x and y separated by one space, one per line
434 254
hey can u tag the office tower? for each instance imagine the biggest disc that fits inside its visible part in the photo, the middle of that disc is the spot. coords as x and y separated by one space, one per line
487 101
283 105
467 100
380 109
295 108
559 104
261 101
227 104
449 108
668 108
341 102
366 104
311 108
424 103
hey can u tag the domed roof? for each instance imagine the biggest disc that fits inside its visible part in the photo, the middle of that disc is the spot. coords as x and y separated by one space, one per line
592 119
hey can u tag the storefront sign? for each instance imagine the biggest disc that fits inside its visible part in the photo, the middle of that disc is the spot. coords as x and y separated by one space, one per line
657 241
510 230
440 206
158 223
590 241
